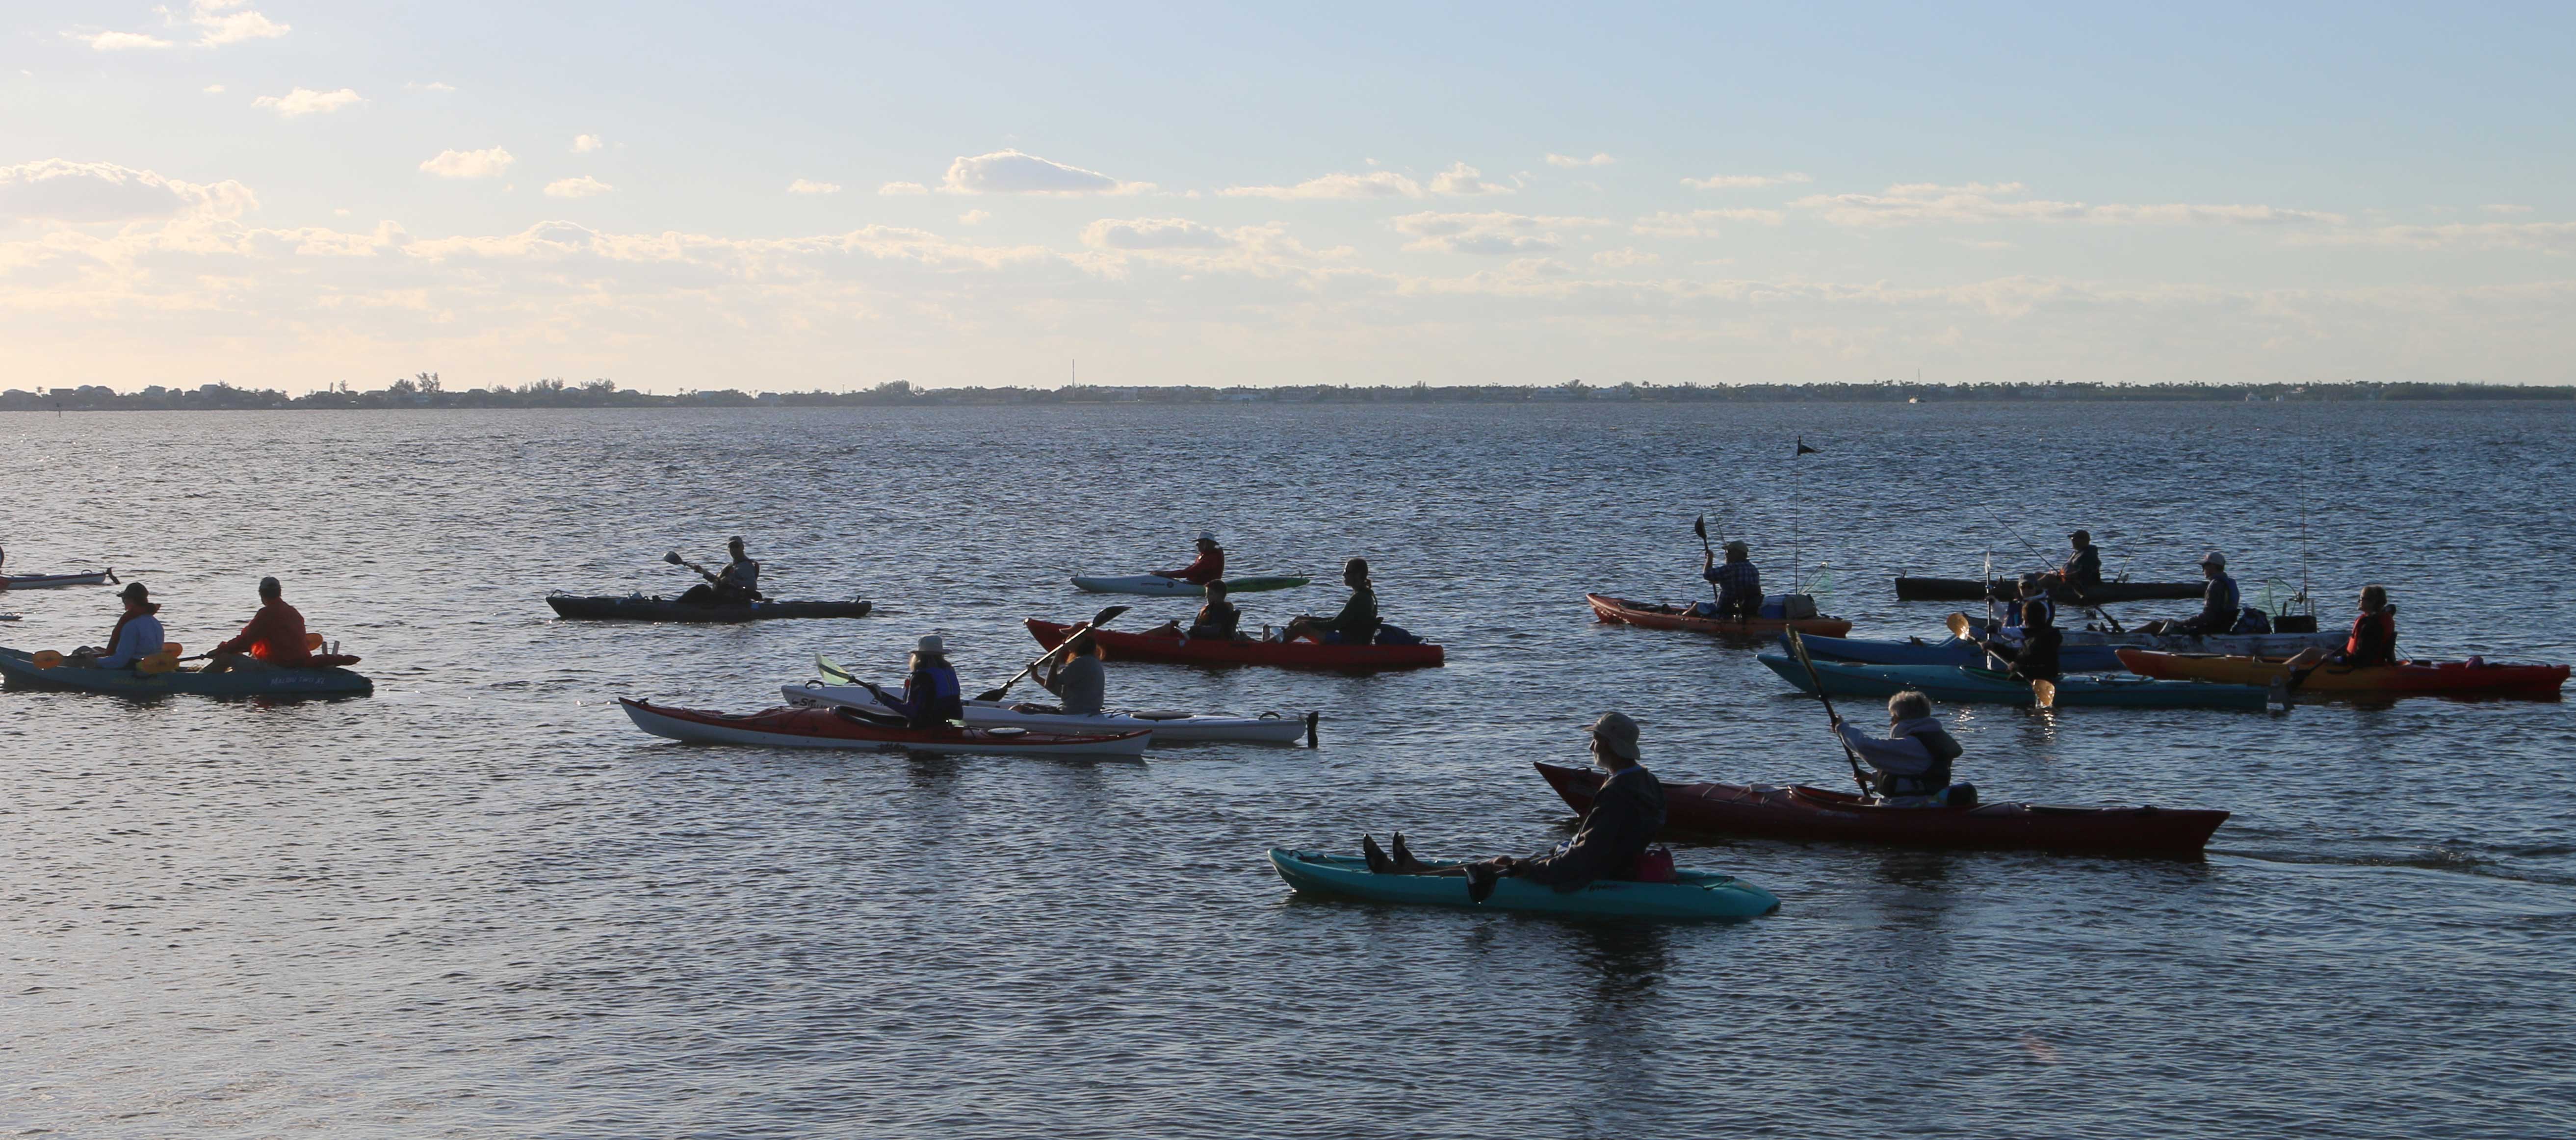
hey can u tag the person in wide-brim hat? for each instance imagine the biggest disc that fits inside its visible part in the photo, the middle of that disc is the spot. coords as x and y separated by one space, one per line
931 694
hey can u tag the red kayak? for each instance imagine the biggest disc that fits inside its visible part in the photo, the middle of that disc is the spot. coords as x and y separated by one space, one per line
1610 609
2405 678
1814 813
1212 651
811 726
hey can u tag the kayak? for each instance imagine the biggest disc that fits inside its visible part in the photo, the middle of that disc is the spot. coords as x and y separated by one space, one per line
2084 651
1798 812
636 607
1621 610
815 726
2406 678
1172 647
20 670
1694 895
1175 588
51 581
1972 589
1167 727
1985 686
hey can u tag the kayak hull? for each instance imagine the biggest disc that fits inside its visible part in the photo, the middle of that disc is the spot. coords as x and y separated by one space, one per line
1804 813
55 581
1696 896
1978 686
1208 651
1973 589
2084 651
1153 586
601 608
815 726
2404 679
1623 611
1167 728
21 672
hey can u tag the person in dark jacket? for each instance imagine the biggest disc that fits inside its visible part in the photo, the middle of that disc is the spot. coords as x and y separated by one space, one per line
1627 812
2083 569
2220 605
1355 625
2033 655
2374 631
1738 582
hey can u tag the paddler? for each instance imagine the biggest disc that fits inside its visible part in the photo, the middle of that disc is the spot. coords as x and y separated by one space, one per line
2220 606
2374 631
2032 653
1626 813
931 695
2031 589
1355 625
273 639
1217 620
1913 762
738 584
137 634
1209 567
1739 584
1076 678
2083 569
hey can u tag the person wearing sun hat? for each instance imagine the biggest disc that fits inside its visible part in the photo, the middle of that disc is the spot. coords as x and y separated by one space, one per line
931 695
2220 605
1209 567
1627 811
137 634
1738 582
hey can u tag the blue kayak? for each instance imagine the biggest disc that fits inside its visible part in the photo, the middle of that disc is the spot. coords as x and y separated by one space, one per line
1958 653
1981 686
1696 894
20 670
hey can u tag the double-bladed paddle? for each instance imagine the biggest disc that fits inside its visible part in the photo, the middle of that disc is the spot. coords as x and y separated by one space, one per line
2042 690
1798 649
1699 526
673 557
1097 620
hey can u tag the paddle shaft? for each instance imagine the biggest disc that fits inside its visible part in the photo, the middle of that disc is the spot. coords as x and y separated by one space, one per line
1097 620
1798 648
1700 526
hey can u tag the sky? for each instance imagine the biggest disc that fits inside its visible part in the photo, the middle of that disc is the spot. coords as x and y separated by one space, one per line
792 196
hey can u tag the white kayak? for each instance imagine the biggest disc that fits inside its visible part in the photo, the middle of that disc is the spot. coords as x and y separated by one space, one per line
1167 727
823 726
1160 587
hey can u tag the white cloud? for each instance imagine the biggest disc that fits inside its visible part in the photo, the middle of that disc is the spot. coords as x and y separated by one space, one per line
894 189
221 24
441 88
57 190
975 217
1464 181
1011 172
2546 237
1700 223
1491 234
119 41
469 163
1745 181
1917 203
808 186
1623 258
2505 208
1374 184
584 186
214 89
306 101
1569 162
584 144
1154 233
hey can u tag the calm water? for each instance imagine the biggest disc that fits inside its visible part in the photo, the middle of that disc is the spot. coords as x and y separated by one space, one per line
480 903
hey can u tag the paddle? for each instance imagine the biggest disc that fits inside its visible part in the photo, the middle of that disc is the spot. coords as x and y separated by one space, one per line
2042 690
1699 526
673 557
1098 619
1798 649
2295 672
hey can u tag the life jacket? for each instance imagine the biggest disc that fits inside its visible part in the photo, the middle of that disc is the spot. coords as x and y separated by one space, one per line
1944 749
935 696
2374 638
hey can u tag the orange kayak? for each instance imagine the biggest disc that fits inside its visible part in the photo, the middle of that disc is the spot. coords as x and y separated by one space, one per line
1610 609
2406 678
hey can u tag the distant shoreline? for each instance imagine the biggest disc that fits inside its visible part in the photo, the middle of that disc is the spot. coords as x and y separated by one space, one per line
426 392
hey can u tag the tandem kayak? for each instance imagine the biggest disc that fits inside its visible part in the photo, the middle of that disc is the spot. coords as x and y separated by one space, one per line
1172 647
2404 679
1167 727
1984 686
1659 616
636 607
50 581
1694 895
1162 587
1972 589
20 670
817 726
2084 651
1814 813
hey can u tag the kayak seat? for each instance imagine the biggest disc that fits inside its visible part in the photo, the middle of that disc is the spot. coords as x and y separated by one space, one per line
1160 714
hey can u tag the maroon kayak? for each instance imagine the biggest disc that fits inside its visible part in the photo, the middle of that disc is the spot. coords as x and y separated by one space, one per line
1815 813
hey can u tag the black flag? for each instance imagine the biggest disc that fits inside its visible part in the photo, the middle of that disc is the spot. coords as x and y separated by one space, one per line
1803 449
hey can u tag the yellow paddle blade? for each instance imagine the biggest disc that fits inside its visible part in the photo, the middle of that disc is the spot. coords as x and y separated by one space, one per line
173 648
2045 692
1958 625
158 663
48 658
312 641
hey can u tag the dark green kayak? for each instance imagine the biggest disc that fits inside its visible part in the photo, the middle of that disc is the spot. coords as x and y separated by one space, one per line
638 608
20 670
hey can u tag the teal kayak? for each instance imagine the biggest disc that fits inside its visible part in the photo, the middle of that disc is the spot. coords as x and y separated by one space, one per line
1984 686
20 670
1696 894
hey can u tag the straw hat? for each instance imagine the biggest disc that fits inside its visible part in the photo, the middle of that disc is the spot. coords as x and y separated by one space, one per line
1617 733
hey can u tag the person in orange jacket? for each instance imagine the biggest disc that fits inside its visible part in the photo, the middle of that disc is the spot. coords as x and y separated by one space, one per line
274 638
